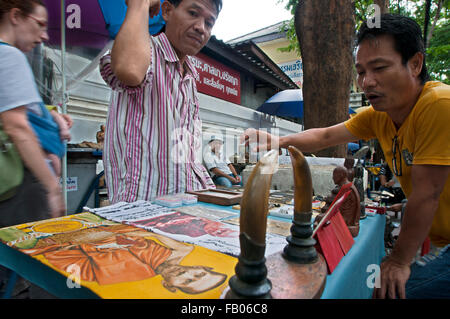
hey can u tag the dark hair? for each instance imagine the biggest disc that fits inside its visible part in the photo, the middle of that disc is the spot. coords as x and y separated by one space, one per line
407 36
26 6
217 3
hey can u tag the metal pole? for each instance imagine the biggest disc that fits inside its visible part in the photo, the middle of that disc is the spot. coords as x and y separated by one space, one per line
63 94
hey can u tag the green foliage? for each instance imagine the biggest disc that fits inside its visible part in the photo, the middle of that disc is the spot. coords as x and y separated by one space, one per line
438 56
289 28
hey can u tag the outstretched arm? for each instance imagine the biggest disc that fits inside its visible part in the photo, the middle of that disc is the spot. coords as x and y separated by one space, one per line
311 140
131 52
64 122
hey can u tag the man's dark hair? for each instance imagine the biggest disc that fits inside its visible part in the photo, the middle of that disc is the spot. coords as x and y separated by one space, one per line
217 3
407 36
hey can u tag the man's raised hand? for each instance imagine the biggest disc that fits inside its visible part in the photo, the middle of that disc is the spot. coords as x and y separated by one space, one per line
153 6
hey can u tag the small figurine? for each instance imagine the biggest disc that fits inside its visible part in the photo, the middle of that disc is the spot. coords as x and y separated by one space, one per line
100 136
350 208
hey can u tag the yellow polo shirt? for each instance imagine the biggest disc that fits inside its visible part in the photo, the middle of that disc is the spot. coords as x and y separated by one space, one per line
424 138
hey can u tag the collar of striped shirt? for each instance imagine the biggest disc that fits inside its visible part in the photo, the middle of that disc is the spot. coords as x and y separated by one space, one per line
171 56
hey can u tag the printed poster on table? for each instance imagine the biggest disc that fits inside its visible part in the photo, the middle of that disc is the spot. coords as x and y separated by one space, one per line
215 235
190 224
121 261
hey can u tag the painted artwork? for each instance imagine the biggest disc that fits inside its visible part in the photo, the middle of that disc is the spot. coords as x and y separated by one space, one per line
121 261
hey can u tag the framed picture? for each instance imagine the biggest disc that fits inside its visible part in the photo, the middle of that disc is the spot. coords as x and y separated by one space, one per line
218 196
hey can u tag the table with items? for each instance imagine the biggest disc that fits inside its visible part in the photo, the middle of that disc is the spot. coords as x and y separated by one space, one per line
175 247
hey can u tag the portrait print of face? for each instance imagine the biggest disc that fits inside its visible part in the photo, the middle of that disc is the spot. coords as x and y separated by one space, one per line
191 279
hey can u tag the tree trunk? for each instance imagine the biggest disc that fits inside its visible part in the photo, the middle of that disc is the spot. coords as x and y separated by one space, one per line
325 33
436 18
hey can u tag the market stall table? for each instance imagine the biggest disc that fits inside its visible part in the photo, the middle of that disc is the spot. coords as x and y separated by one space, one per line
353 278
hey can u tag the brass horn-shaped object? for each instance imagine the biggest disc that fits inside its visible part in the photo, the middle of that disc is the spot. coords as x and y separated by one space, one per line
300 246
251 280
298 272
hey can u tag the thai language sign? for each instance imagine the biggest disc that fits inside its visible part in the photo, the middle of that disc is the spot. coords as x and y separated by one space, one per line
217 79
294 70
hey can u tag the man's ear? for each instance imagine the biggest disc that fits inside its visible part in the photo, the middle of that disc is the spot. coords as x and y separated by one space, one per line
166 10
169 286
416 63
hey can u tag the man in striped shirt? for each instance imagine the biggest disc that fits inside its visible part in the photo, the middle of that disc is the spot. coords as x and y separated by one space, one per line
153 133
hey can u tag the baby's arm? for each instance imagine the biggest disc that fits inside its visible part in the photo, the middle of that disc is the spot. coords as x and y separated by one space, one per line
64 122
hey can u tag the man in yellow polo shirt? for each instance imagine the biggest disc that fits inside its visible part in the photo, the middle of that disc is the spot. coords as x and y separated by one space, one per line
410 117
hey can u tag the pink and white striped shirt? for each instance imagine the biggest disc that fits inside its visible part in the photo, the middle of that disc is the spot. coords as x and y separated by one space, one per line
153 136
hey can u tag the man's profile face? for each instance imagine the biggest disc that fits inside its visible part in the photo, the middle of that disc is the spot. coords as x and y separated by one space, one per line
189 25
336 177
339 175
385 80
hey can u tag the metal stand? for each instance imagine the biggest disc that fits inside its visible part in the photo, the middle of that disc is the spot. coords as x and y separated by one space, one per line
250 280
300 247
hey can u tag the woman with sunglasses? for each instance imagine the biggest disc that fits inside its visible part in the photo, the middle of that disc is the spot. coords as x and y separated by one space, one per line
23 26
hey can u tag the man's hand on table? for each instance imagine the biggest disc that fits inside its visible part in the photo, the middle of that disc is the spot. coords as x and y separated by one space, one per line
393 280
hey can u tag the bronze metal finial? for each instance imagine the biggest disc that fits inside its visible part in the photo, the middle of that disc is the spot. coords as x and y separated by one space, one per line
251 280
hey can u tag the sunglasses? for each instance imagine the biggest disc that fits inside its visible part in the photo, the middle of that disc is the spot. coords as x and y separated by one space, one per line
396 166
